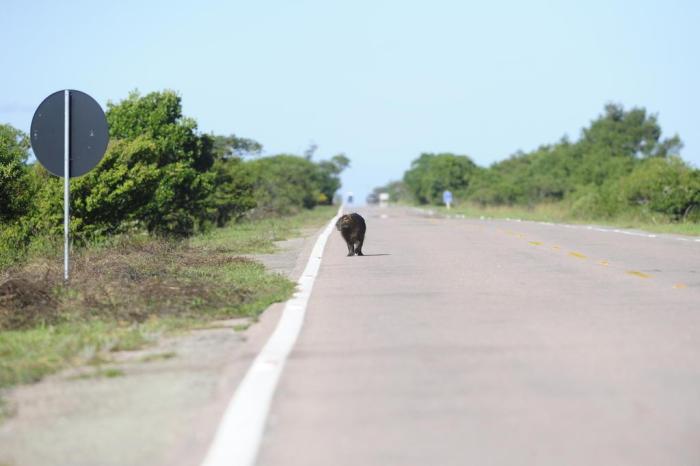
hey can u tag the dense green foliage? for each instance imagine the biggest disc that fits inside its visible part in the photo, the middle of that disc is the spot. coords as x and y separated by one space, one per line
431 174
619 165
282 183
664 185
159 174
232 146
13 173
328 177
233 194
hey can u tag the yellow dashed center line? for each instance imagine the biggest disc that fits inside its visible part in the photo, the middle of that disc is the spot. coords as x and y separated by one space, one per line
603 262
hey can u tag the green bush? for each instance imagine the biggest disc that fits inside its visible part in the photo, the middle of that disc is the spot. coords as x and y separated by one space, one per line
328 177
176 198
233 195
15 238
605 202
14 195
158 116
284 183
663 185
431 174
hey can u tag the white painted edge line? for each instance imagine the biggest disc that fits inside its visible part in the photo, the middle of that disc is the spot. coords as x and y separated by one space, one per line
577 227
240 431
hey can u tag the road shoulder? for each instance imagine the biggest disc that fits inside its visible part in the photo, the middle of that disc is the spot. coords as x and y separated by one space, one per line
154 406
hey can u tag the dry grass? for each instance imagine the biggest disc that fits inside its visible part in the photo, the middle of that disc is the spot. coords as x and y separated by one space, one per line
130 281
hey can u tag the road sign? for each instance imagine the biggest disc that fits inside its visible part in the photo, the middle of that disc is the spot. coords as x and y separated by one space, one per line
383 199
447 198
72 124
88 133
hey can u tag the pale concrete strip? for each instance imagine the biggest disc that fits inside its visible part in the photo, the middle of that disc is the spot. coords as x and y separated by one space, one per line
238 437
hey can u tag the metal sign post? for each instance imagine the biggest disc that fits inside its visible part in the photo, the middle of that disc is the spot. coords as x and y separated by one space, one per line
66 184
74 120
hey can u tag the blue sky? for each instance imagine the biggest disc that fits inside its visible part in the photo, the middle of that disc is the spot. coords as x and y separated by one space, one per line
381 81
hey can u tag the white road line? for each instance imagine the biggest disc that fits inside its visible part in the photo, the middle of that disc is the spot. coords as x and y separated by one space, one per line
240 431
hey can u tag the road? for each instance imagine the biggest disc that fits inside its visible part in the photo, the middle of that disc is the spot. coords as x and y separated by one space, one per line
484 342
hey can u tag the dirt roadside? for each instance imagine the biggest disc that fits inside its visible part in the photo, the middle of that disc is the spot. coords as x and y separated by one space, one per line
156 406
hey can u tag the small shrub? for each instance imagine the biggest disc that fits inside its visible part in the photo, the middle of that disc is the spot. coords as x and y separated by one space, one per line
663 185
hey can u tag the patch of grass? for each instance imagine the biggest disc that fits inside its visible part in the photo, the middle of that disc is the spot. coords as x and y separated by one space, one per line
158 356
133 339
28 355
6 410
258 236
690 229
207 326
542 212
127 291
109 373
98 359
241 327
559 213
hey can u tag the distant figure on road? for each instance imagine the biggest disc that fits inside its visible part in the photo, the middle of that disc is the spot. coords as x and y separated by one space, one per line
352 227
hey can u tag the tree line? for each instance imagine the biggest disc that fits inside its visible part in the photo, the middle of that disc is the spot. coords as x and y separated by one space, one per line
159 175
620 165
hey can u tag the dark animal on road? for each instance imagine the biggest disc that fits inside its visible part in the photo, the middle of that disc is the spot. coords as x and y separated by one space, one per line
352 227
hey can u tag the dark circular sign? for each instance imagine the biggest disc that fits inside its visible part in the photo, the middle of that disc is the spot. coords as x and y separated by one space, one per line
89 134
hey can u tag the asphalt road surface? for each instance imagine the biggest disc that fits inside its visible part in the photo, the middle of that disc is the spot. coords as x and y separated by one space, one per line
469 342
